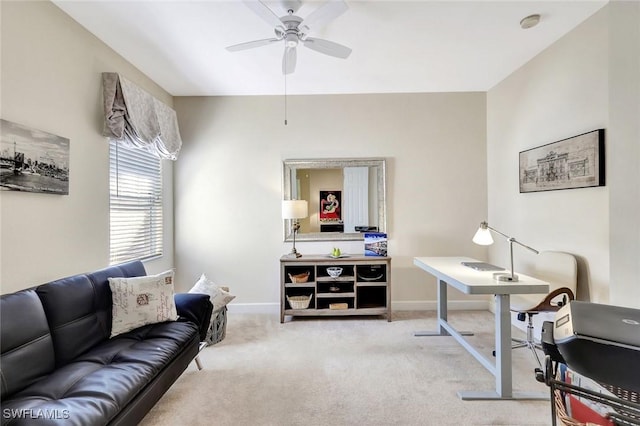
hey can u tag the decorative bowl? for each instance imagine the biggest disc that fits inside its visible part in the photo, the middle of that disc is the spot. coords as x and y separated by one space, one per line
334 271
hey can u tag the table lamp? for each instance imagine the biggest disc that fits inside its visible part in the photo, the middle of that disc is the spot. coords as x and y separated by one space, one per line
294 210
483 238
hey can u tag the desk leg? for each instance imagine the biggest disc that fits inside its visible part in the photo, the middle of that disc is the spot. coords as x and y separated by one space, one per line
442 307
503 346
442 314
502 372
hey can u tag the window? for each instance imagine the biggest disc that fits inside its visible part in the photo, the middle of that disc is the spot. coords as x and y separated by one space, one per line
135 181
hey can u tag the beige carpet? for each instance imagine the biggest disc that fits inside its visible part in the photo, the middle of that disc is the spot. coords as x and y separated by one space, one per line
347 371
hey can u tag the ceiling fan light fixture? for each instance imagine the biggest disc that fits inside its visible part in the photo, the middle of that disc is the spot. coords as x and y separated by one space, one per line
529 21
292 30
291 40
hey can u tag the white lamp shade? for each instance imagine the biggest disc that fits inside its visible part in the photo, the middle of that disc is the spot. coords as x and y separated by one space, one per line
483 237
294 209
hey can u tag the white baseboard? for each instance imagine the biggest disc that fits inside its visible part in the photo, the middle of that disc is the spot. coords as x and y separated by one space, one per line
407 305
432 305
254 308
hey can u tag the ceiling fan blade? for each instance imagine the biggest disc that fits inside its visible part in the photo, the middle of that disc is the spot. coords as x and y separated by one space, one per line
289 60
251 44
264 12
324 14
327 47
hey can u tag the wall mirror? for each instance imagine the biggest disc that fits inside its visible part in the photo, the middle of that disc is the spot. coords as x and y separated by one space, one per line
346 197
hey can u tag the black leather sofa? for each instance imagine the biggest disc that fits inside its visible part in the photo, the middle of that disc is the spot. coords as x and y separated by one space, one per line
59 366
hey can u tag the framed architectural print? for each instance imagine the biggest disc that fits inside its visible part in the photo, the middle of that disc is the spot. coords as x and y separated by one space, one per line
576 162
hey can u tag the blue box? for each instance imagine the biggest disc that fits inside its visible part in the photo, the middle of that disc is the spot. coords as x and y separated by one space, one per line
375 244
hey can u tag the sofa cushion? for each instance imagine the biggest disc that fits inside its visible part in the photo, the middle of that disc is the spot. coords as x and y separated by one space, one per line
78 309
27 347
138 301
92 389
220 297
71 310
100 280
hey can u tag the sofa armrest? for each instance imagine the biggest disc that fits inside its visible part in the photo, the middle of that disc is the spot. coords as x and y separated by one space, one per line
197 308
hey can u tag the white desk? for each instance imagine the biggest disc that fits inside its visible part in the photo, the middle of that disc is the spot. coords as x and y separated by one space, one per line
449 271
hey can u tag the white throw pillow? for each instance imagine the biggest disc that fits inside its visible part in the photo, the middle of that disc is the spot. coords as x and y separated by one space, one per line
138 301
219 297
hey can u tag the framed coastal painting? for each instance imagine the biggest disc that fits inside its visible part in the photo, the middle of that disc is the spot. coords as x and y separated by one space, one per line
32 160
576 162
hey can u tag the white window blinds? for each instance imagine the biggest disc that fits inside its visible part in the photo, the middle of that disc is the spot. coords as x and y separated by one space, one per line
135 203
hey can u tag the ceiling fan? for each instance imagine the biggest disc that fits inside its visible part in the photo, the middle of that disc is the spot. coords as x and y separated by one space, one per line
293 30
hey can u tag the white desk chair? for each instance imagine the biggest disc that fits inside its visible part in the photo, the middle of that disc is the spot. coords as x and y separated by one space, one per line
561 272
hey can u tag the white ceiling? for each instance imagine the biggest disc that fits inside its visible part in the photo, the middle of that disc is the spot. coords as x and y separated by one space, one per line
398 46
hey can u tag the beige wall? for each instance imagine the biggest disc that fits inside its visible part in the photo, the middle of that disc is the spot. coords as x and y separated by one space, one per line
228 222
51 81
624 152
566 91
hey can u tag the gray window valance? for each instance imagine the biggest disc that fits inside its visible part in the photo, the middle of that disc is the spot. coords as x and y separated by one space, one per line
136 118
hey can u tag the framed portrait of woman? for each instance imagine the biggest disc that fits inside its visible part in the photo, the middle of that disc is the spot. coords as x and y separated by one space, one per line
330 210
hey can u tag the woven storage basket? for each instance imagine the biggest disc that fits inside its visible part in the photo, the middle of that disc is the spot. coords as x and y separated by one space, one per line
561 411
566 420
218 325
300 278
299 302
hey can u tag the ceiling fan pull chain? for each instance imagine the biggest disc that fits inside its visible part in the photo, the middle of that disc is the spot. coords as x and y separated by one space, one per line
285 99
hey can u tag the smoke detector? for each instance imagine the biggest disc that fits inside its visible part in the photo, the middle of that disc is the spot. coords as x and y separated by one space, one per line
529 21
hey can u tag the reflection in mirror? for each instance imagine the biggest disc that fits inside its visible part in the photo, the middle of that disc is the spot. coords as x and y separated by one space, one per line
345 196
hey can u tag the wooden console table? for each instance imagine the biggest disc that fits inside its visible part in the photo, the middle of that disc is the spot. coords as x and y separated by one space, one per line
363 288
